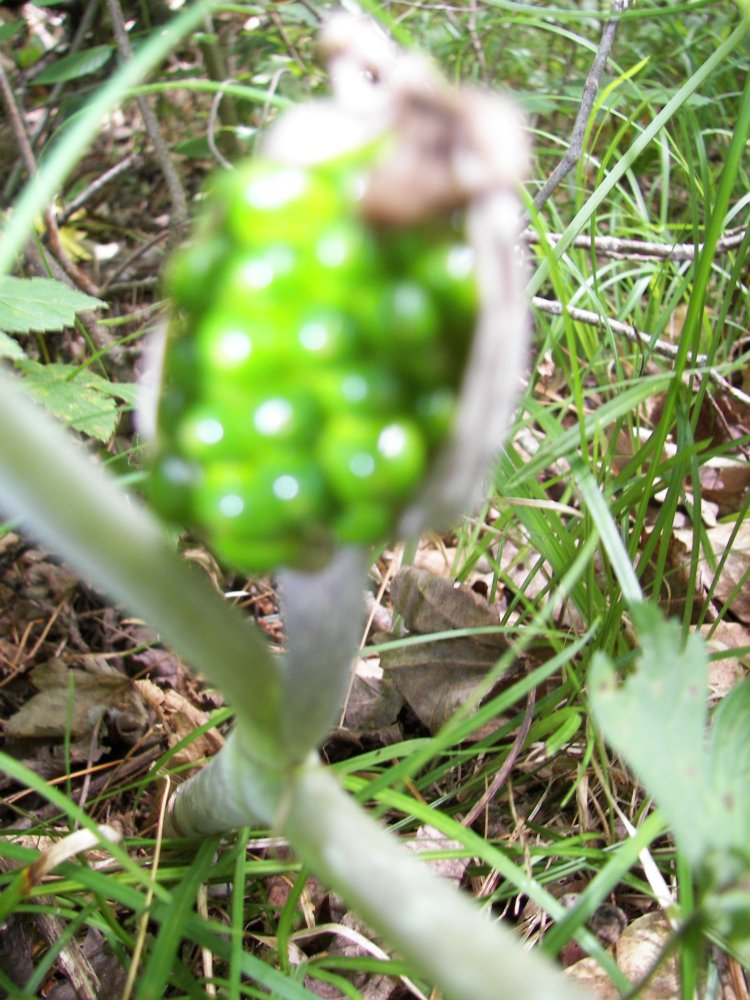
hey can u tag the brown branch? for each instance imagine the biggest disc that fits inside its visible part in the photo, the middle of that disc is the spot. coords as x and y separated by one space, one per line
224 105
71 960
128 162
151 124
508 764
130 260
77 276
58 261
573 153
16 122
29 160
476 44
624 249
84 25
643 339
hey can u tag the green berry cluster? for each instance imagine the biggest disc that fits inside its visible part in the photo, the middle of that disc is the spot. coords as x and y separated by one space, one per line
312 367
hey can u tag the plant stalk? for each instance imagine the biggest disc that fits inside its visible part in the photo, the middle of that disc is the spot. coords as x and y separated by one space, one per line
457 946
466 953
324 616
70 504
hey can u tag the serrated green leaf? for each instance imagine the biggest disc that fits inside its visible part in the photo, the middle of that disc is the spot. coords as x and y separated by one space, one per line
76 65
128 392
84 402
656 721
9 348
729 762
40 304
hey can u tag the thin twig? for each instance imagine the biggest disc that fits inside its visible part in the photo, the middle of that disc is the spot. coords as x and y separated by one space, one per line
213 123
123 266
643 339
151 124
224 104
508 764
27 155
573 152
16 123
93 744
131 160
77 276
290 46
476 44
614 246
142 924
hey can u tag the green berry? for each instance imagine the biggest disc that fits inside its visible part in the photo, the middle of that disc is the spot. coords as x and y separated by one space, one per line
322 336
172 485
258 501
362 519
194 270
364 458
261 193
233 351
261 555
312 367
367 389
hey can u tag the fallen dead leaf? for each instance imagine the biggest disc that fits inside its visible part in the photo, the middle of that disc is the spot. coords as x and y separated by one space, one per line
372 707
437 676
731 584
429 603
179 718
99 692
636 952
428 838
726 636
725 481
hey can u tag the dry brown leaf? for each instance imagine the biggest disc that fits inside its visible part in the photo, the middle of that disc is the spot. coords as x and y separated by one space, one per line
429 603
726 672
372 706
734 579
437 677
179 719
428 838
100 692
726 482
636 952
736 569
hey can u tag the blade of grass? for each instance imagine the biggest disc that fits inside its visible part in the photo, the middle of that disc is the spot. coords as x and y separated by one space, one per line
638 146
609 535
158 971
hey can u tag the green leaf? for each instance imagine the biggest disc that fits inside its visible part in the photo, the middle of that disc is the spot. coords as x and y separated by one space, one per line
9 348
76 65
729 762
656 721
10 29
82 400
40 304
